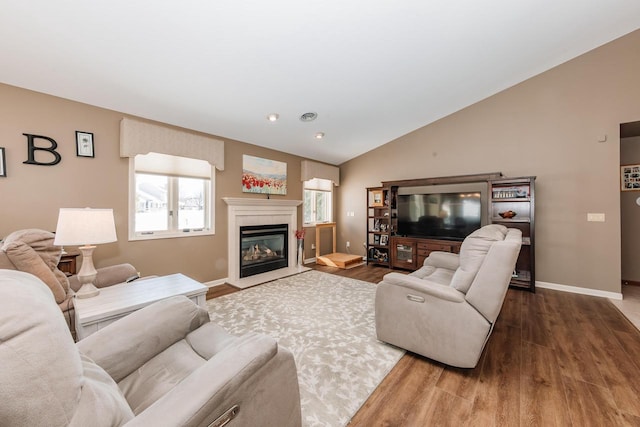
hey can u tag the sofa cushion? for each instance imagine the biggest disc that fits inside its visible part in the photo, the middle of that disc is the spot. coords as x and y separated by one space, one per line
441 276
472 253
160 375
25 258
101 403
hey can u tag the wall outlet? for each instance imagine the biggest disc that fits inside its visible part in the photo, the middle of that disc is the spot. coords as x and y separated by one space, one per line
313 246
595 217
348 244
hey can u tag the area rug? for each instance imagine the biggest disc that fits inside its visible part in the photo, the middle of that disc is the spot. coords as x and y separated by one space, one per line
327 322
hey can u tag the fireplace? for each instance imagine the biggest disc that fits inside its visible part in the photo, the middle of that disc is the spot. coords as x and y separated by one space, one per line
251 211
263 248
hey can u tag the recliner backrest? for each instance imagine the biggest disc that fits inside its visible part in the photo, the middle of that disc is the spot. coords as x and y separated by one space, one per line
473 252
491 282
42 370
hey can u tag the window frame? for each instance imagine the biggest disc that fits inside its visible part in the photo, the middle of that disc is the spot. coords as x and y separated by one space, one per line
308 186
172 200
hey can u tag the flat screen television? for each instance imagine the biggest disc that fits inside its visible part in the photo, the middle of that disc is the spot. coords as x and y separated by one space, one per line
449 216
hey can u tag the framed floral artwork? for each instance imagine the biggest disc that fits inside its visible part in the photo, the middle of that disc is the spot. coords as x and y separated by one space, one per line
263 176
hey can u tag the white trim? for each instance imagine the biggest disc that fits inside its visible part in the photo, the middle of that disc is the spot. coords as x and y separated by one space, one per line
246 201
251 211
131 214
217 282
578 290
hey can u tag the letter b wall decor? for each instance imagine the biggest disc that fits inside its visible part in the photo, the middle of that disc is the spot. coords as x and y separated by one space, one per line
32 148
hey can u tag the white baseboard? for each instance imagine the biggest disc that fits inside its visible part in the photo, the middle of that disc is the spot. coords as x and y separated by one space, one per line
578 290
309 260
217 282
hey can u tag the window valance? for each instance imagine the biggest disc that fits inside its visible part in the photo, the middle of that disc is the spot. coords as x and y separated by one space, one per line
138 137
311 170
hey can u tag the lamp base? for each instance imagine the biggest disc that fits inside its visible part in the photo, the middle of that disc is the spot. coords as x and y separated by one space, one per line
87 274
87 291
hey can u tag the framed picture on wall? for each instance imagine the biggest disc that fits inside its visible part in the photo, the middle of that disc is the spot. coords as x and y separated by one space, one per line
263 175
3 163
84 144
630 178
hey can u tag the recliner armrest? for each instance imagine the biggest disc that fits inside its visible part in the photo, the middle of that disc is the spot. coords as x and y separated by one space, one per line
439 259
424 286
210 390
128 343
108 276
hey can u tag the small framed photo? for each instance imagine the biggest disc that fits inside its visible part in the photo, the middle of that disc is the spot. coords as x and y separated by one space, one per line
3 163
377 198
384 240
630 178
84 144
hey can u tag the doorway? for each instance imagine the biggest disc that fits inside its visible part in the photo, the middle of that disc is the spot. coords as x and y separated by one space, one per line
630 203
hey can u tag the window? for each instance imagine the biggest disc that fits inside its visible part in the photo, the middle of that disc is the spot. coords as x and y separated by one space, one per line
170 196
317 204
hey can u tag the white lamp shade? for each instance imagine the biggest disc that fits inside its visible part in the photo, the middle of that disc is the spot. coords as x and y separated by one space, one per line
85 226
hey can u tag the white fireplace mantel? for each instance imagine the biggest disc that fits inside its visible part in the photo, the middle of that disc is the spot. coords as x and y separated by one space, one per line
245 201
242 211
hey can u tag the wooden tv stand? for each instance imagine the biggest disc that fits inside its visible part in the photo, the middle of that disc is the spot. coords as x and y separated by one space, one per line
409 253
510 202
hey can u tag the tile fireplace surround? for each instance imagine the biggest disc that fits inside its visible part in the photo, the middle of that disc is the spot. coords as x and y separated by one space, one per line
249 211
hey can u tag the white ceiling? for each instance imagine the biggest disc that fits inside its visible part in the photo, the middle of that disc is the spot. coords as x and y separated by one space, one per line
373 70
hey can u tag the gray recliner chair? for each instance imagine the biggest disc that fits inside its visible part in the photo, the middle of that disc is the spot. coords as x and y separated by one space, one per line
163 365
446 310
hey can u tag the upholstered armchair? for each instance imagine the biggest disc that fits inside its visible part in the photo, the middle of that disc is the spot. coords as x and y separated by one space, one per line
446 310
32 251
163 365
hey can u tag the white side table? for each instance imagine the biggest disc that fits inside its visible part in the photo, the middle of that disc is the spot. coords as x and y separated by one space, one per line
115 302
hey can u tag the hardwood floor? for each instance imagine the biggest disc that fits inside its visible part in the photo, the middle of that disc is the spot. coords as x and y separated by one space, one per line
553 359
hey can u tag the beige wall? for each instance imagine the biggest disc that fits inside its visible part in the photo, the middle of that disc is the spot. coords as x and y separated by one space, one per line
31 195
630 214
547 126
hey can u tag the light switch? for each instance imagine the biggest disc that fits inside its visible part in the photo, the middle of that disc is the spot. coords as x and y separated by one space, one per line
595 217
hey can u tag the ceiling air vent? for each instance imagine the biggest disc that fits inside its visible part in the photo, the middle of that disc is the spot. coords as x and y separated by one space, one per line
308 117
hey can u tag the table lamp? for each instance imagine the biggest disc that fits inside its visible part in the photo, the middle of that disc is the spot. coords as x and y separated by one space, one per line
87 227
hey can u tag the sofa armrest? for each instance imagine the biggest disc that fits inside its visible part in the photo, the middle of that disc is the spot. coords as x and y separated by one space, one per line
424 286
212 389
128 343
439 259
108 276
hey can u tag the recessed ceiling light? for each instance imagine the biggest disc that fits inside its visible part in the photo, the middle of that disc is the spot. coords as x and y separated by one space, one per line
319 135
273 117
308 117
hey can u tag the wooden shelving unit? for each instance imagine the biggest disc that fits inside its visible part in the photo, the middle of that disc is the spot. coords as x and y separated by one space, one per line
378 226
409 253
512 204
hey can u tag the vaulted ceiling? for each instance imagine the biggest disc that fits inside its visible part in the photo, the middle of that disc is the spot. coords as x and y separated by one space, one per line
372 70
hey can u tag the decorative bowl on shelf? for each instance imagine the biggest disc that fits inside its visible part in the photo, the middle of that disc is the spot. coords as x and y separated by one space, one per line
507 214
